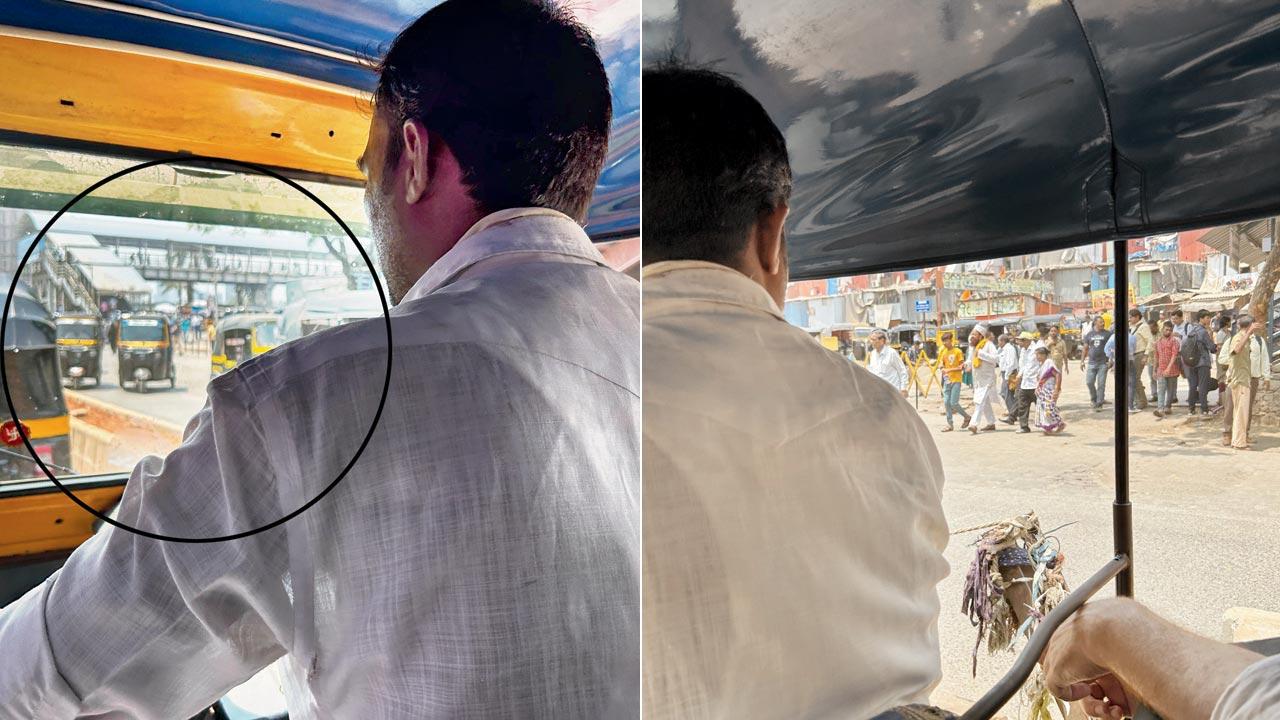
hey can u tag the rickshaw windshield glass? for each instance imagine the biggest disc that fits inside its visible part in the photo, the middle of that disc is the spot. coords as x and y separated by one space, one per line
21 332
34 384
141 331
268 333
77 331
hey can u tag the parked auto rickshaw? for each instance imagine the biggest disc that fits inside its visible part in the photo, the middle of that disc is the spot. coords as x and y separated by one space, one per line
80 347
241 337
145 350
31 373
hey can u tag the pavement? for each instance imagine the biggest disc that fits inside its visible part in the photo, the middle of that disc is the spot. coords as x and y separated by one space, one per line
1205 517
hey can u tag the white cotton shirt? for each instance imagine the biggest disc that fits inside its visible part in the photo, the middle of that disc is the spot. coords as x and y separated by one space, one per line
481 559
793 523
1029 370
1008 358
1254 695
887 365
1259 358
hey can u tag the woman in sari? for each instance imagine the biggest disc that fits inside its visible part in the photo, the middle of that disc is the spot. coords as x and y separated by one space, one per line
1048 388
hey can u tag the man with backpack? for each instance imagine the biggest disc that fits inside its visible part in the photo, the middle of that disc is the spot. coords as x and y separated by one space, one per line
1197 356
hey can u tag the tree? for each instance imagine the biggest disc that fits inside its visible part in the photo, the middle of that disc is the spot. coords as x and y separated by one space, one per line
1268 276
338 249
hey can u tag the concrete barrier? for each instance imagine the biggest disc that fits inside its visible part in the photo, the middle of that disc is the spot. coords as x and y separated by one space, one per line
1242 624
91 448
80 401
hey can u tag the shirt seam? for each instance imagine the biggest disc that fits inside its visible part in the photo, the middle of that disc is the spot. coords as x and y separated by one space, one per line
256 399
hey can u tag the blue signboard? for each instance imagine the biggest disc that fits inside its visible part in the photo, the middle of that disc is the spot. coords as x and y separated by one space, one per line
924 306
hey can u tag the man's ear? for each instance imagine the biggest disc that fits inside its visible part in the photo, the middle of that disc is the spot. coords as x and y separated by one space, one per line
769 242
417 156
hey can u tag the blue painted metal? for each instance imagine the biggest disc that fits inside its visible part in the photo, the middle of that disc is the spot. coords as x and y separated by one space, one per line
925 132
358 28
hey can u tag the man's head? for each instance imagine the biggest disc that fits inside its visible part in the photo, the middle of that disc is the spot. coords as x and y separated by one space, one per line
1204 317
978 332
879 339
1004 339
480 107
949 340
1178 317
1024 339
1099 324
1167 329
716 175
1245 323
1135 315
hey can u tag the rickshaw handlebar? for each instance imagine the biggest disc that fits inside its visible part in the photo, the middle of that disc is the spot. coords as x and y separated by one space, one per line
1003 691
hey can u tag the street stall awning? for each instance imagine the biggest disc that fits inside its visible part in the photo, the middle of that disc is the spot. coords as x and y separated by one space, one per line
927 133
1217 302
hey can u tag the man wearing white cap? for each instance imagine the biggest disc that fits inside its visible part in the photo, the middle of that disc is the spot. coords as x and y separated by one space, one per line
984 360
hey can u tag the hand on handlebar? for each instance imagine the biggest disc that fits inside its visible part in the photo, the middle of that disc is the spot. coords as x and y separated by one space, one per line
1071 674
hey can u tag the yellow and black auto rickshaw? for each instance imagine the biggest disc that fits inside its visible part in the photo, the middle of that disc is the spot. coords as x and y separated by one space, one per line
80 347
145 350
31 370
241 337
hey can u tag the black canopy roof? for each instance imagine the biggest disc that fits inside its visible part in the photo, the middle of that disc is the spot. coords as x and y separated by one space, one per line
930 131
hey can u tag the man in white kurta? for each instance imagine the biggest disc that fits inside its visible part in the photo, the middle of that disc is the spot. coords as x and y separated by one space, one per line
481 558
984 361
885 362
793 525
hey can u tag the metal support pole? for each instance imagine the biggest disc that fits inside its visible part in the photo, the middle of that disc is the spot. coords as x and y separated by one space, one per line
1122 511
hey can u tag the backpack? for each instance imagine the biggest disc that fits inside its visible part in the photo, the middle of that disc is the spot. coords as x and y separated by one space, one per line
1190 351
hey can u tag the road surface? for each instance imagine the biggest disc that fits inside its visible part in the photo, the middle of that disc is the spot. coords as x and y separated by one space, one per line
1206 521
175 406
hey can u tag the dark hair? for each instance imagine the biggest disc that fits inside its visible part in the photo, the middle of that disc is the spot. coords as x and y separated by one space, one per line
713 163
1203 314
515 89
1178 313
1168 324
1135 312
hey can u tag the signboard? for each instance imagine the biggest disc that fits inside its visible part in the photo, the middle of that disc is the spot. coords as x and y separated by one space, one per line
964 281
10 435
1008 305
924 306
1106 299
970 309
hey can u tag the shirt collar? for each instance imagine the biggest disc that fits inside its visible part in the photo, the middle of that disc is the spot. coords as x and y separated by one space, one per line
707 282
514 230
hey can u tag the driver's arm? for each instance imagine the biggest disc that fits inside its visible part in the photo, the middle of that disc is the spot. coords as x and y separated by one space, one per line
1180 675
141 628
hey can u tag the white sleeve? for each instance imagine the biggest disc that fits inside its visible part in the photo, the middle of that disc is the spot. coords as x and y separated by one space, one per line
1254 695
136 627
903 376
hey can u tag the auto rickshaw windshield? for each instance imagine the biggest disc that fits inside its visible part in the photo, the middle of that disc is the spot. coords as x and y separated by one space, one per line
268 333
141 330
77 331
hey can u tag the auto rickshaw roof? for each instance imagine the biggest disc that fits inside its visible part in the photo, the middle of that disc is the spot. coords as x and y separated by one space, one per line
77 318
245 321
283 84
927 133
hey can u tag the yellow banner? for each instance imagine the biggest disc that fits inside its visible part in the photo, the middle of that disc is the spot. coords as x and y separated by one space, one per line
77 341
